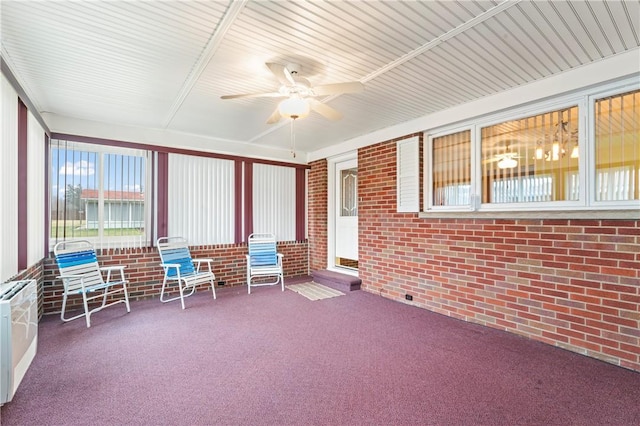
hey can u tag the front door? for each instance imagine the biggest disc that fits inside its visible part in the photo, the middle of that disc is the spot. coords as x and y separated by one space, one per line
346 215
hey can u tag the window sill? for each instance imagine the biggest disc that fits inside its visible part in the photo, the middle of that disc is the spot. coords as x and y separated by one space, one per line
543 214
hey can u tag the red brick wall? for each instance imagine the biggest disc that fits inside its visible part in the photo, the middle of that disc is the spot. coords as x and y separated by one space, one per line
318 181
569 283
145 274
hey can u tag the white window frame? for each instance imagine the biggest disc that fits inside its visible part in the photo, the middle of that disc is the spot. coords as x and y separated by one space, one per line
102 241
585 101
591 145
428 175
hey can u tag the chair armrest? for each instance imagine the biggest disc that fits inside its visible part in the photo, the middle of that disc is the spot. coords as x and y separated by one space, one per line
170 265
167 266
109 269
203 260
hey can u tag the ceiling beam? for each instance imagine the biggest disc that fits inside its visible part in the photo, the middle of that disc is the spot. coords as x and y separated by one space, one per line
218 35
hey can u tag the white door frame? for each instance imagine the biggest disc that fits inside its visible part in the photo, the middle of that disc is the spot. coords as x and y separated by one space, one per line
331 212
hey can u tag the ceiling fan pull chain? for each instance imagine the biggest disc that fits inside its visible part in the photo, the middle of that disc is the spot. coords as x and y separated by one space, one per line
293 138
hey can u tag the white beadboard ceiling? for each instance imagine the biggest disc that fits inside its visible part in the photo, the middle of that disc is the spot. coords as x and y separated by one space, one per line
163 65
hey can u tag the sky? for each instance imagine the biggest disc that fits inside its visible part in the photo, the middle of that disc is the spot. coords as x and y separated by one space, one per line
71 167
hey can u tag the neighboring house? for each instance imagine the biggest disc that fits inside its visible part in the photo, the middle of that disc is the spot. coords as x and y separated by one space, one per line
121 209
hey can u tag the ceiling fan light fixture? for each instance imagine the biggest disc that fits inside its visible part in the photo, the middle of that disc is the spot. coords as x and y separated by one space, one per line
294 107
574 152
507 163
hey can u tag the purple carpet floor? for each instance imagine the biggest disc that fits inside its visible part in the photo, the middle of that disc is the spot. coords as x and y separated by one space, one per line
278 358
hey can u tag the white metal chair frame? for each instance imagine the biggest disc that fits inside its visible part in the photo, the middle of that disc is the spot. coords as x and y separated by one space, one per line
81 274
180 267
263 260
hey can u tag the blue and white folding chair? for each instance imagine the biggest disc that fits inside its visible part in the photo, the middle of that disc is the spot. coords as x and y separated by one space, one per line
179 267
263 261
81 274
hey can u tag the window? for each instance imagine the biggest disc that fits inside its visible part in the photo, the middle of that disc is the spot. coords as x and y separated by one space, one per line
451 169
349 192
8 180
582 154
98 193
527 160
274 201
617 147
201 199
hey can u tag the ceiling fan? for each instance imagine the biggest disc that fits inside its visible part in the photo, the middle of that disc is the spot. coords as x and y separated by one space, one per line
506 159
300 94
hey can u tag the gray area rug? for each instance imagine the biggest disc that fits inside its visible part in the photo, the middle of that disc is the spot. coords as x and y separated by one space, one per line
315 291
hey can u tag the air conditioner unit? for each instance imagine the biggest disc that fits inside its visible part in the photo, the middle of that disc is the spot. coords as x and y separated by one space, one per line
18 333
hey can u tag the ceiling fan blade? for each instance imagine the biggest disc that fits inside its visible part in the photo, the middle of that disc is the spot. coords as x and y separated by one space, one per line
282 73
324 110
491 160
499 157
335 88
275 117
254 95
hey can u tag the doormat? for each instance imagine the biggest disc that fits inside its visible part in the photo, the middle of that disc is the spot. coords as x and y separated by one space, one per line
315 291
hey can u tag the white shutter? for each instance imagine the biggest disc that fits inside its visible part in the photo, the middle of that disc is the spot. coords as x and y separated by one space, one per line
408 175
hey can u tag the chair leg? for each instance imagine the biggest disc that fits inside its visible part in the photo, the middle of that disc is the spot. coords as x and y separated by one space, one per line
181 293
126 297
213 287
87 314
64 305
164 283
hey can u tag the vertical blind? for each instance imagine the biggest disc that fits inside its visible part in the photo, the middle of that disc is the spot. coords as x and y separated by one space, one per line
274 201
452 169
8 180
36 170
201 199
531 159
617 140
98 193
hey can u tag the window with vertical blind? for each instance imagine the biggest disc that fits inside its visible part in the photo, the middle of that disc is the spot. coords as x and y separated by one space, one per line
36 170
8 180
527 160
617 147
201 199
99 193
451 170
582 154
274 201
